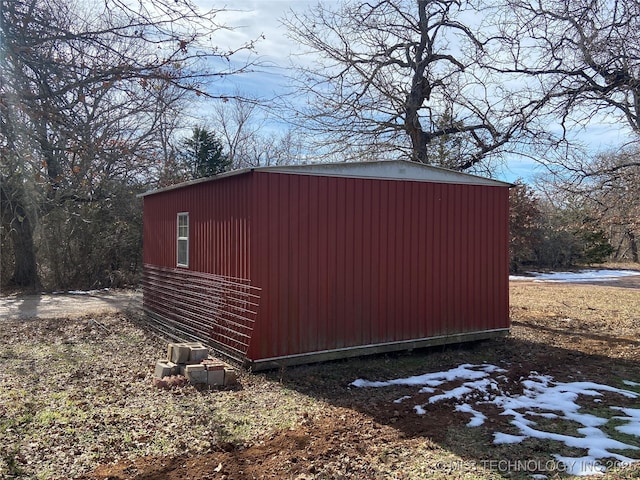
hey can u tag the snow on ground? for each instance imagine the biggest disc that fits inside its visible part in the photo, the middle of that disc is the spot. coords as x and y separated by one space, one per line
80 292
579 276
542 398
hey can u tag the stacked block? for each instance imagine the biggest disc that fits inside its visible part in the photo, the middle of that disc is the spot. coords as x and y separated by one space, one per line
166 369
193 361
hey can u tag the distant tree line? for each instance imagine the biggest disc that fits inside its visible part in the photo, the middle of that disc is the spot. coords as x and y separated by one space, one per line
92 102
95 109
589 215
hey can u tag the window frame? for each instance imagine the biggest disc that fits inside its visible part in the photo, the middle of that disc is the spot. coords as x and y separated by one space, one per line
182 239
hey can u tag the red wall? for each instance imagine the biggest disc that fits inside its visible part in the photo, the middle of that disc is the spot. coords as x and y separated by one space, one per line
218 226
343 262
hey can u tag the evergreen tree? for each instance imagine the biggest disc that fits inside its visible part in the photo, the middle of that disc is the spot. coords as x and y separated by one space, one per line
203 154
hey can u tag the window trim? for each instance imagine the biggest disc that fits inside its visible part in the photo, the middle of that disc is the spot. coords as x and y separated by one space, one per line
180 239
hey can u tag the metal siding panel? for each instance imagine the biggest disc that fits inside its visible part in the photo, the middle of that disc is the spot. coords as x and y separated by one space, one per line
394 259
454 244
261 265
485 266
345 240
438 262
430 264
323 265
273 315
383 273
458 295
293 204
447 250
485 242
413 284
496 232
501 315
314 264
363 286
279 241
408 263
480 257
494 265
471 219
504 201
334 280
340 320
421 199
390 258
307 333
411 260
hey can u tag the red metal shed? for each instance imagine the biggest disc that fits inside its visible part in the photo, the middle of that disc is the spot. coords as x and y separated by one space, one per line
291 264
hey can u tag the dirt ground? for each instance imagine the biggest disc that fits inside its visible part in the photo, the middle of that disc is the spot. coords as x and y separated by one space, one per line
572 332
56 305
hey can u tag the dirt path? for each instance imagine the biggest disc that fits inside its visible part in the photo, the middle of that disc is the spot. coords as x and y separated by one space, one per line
70 305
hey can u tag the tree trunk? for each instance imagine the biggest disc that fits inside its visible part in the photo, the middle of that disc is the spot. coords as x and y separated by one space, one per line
25 272
633 242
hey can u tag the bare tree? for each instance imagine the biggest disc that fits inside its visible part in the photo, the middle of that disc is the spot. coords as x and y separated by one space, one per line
86 94
608 184
403 77
251 137
239 126
583 54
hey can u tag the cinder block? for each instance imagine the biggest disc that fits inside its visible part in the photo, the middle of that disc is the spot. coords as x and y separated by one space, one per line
213 364
197 354
169 352
162 369
230 376
196 373
179 352
165 369
215 377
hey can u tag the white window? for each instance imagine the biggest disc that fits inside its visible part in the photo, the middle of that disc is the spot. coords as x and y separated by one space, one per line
183 240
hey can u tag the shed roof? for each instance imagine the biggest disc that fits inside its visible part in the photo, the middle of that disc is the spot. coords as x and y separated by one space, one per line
383 169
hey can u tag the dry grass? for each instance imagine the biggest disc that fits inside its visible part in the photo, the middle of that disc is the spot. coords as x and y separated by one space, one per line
620 265
583 318
77 393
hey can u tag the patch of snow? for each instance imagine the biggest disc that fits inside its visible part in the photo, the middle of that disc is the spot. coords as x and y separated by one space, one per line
542 397
467 387
402 399
477 418
538 476
81 292
633 419
580 276
463 372
542 414
630 383
499 437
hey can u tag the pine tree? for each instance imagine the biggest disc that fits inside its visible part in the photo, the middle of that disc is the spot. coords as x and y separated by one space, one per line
203 154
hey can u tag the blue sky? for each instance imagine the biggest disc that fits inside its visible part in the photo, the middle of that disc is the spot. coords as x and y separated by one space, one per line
257 18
